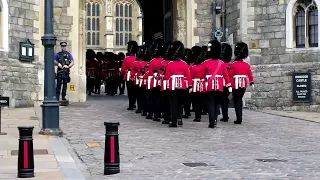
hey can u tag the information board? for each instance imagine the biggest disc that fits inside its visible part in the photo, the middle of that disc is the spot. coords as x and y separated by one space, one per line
301 87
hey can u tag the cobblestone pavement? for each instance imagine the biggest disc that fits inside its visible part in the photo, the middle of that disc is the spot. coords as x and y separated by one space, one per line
150 150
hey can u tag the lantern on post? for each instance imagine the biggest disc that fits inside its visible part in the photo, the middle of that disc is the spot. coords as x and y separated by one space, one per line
26 52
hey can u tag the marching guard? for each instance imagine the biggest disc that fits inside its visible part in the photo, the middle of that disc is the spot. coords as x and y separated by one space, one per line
240 72
126 69
153 85
112 74
178 79
217 77
226 55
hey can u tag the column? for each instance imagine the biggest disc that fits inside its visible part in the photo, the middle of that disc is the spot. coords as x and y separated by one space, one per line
109 22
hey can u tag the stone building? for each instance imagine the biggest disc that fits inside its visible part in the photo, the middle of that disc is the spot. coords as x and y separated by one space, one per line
282 35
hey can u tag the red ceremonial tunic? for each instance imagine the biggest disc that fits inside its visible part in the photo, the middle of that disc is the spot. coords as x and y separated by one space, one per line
153 67
136 65
178 75
216 75
198 82
240 71
126 67
161 71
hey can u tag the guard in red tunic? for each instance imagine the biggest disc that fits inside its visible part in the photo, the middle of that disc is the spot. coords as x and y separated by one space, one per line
226 55
241 74
112 73
126 69
121 81
187 100
153 86
178 76
161 69
216 76
197 74
91 70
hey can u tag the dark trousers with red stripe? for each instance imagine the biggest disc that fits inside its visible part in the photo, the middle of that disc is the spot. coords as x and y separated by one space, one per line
197 104
156 102
213 101
141 98
225 103
165 105
237 95
176 104
131 93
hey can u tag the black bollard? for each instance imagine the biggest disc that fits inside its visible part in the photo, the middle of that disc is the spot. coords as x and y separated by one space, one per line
111 152
25 155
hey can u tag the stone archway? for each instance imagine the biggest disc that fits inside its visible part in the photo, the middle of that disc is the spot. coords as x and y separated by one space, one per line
77 38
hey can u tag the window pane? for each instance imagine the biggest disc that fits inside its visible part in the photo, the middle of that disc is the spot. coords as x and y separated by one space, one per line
130 25
313 27
93 39
98 38
121 39
130 36
300 28
93 24
117 39
93 10
117 10
88 24
88 9
126 25
117 25
130 10
126 38
98 10
88 38
121 10
98 24
121 24
126 11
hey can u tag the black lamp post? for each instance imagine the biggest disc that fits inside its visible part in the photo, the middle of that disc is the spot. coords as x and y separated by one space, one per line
50 105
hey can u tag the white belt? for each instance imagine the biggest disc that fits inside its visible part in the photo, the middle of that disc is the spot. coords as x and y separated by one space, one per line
237 78
195 81
149 81
174 80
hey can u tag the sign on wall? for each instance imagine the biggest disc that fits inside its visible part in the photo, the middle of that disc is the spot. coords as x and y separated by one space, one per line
301 87
4 102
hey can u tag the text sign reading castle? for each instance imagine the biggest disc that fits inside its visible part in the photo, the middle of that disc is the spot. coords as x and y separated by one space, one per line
301 87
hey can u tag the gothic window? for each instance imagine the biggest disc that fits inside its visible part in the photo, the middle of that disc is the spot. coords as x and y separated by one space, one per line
305 24
123 23
93 24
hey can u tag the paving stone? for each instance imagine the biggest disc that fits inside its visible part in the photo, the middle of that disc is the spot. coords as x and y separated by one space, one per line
150 150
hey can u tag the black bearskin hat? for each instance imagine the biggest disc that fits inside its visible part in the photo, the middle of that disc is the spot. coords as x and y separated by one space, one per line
197 54
177 50
214 49
121 56
241 51
145 52
100 56
166 50
132 47
156 47
226 52
90 54
140 52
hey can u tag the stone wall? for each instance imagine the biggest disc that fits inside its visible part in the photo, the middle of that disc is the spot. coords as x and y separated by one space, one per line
62 22
204 21
19 80
232 19
273 64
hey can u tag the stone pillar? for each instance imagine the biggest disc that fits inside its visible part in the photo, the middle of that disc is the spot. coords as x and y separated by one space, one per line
180 21
140 19
77 48
109 22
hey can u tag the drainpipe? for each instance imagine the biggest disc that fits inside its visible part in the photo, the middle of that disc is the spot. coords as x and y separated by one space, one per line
225 33
214 17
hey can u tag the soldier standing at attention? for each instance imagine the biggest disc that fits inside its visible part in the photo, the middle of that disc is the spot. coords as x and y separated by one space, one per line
64 61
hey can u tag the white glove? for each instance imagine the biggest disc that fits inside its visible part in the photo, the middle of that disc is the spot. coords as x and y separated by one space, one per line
230 89
141 77
155 75
190 90
252 86
119 69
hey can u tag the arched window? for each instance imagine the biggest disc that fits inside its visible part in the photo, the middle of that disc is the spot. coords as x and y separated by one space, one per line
123 23
93 23
305 24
